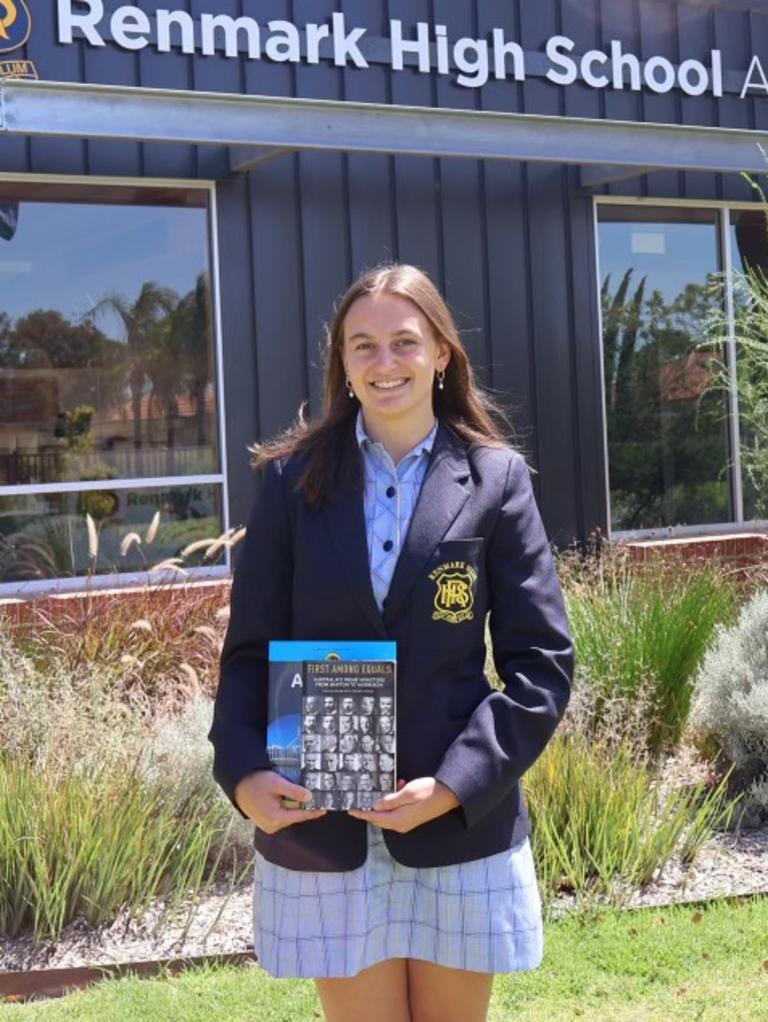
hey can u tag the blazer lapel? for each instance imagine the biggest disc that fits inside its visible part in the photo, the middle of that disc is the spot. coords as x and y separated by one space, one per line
345 519
443 494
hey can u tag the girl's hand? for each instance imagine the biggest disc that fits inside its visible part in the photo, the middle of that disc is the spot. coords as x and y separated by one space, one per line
260 796
411 805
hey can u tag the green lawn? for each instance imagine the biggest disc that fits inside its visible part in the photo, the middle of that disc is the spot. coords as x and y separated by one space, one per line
656 965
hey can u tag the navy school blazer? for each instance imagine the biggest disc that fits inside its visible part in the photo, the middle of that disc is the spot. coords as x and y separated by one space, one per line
303 573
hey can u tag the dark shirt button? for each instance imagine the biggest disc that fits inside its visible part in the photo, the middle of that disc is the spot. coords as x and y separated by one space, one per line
390 491
388 544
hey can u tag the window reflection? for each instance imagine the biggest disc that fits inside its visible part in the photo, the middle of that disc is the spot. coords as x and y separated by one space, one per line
106 375
46 535
749 253
106 342
667 431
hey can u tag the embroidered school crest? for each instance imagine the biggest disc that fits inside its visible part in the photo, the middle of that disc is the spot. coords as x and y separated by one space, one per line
455 592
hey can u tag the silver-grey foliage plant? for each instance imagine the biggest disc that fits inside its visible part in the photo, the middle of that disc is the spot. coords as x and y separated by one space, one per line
180 753
731 696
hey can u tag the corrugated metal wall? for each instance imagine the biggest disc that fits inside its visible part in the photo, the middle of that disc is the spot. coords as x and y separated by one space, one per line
511 245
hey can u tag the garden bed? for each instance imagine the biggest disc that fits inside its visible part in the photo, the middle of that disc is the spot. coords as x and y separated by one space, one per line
625 810
729 865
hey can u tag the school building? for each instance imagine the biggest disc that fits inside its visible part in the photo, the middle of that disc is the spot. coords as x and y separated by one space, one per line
187 185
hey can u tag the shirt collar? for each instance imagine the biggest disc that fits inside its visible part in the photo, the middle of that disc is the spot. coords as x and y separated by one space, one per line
424 447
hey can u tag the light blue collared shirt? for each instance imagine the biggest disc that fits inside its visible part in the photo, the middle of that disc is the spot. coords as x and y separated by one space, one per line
391 492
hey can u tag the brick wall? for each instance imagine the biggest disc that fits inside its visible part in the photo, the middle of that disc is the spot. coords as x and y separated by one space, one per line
744 551
21 611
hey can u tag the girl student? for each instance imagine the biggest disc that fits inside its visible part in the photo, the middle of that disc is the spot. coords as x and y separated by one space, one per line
401 513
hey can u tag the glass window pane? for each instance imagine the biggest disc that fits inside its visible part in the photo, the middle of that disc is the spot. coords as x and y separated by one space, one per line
106 340
749 248
46 535
667 428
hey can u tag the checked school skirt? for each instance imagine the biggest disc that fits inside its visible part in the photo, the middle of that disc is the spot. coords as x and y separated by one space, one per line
484 916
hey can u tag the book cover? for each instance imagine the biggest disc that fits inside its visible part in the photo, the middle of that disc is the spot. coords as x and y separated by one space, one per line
331 720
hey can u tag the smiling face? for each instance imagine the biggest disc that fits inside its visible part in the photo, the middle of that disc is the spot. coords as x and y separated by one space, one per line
391 356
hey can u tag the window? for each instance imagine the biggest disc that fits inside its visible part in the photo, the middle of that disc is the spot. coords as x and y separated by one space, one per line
671 449
749 251
108 403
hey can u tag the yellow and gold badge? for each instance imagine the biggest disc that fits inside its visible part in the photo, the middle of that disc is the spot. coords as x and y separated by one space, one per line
455 592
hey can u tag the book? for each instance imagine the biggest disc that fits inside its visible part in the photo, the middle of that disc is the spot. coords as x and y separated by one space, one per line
331 720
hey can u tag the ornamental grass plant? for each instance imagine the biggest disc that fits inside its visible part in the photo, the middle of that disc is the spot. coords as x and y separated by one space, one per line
605 819
642 630
95 842
153 640
58 719
603 823
106 794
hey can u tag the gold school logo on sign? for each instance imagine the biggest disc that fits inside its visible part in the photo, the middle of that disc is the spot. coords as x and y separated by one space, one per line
455 592
15 29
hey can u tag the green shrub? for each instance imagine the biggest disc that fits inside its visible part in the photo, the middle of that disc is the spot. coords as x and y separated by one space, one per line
731 700
641 631
179 753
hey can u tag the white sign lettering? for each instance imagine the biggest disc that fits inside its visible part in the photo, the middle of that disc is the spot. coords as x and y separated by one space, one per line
657 73
402 46
755 69
427 48
85 23
185 31
129 26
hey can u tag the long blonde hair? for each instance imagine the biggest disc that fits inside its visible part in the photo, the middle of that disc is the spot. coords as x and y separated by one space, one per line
461 405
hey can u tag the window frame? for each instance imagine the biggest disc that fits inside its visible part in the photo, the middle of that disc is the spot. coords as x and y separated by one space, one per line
738 525
120 580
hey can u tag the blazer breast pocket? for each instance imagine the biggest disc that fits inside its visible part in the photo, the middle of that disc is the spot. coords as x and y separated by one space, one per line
450 596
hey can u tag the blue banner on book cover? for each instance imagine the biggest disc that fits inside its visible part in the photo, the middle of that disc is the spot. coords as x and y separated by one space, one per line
331 719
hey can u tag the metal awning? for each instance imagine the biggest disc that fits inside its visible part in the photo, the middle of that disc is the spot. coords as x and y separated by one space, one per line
255 128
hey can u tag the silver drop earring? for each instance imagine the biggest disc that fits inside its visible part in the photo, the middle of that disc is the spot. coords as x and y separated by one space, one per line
441 379
348 384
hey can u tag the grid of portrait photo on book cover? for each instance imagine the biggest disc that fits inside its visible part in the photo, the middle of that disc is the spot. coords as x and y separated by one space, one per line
332 720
